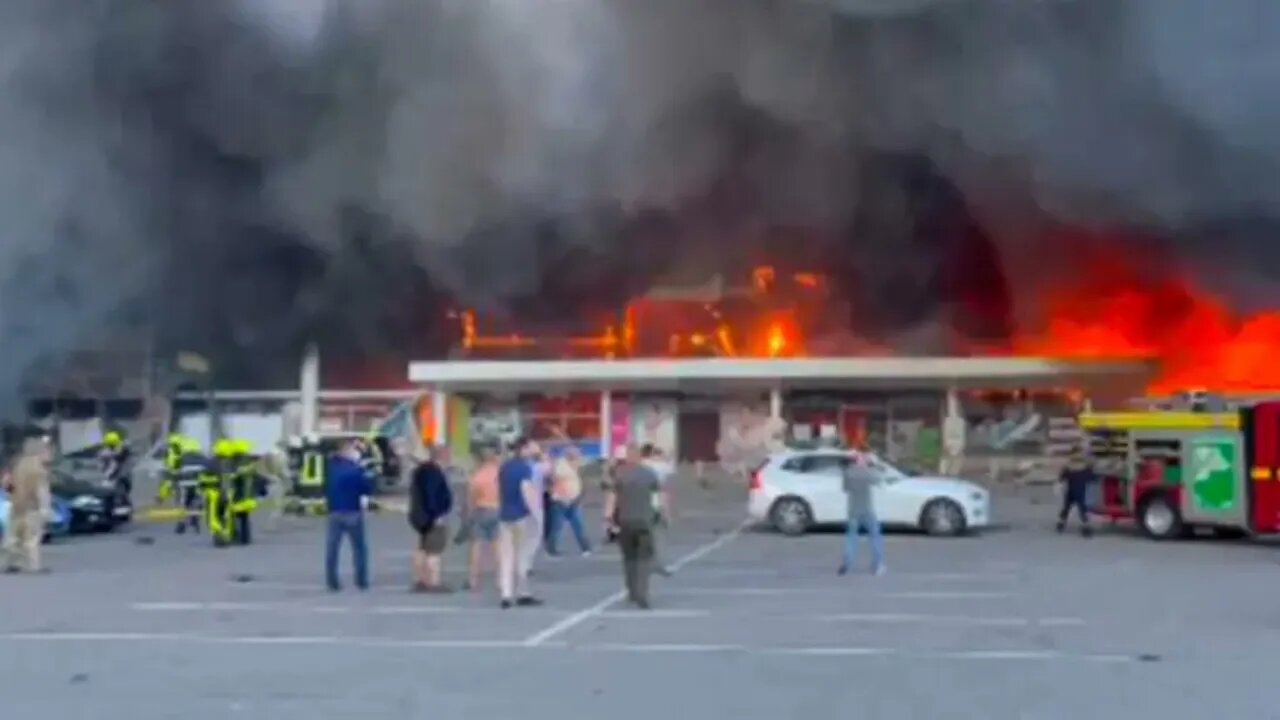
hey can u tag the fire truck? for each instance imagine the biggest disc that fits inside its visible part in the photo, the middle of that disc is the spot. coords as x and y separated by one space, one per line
1178 471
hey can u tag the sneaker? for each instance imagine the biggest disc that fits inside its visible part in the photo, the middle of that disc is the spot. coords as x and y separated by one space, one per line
642 604
418 588
586 553
878 570
505 604
528 601
1086 531
842 570
1062 526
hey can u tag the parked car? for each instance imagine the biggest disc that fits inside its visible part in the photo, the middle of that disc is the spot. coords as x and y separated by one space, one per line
94 503
797 490
58 524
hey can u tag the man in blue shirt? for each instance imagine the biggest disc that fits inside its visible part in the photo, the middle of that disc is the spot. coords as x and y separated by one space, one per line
346 486
520 516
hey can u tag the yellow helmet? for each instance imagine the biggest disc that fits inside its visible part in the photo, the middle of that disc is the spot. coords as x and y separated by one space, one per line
112 439
242 447
189 445
224 448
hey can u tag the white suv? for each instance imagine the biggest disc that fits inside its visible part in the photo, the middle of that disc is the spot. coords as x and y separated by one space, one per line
796 490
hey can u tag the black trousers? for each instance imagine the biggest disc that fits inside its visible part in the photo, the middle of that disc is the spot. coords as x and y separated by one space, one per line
1073 500
241 529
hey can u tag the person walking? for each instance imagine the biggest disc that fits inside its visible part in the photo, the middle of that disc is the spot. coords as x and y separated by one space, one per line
628 507
430 500
1076 478
664 470
860 479
346 488
566 499
518 513
482 517
29 507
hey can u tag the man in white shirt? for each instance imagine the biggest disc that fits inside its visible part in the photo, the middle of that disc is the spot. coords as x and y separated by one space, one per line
654 458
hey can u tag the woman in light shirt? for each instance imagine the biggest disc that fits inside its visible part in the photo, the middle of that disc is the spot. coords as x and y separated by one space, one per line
482 516
566 499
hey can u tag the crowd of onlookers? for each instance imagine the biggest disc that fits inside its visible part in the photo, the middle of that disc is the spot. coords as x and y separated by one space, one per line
515 505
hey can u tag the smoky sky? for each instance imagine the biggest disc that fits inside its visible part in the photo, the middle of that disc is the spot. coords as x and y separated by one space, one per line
242 174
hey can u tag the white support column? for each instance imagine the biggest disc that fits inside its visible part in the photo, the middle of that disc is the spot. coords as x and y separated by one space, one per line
606 424
439 412
954 431
309 386
775 404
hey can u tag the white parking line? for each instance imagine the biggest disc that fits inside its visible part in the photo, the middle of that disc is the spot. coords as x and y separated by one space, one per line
641 648
915 619
260 640
946 595
728 590
284 607
585 614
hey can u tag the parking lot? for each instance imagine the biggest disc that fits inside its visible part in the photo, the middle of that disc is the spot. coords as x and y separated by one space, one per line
1017 623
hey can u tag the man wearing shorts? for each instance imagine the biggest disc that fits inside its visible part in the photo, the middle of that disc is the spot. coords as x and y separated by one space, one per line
430 501
482 516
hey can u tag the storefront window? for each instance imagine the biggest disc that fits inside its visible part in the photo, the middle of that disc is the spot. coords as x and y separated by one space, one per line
559 419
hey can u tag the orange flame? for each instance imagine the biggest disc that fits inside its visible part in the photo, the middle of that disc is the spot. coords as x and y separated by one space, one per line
1114 310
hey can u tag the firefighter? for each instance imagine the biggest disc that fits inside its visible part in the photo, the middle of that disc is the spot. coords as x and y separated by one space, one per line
175 449
244 487
311 474
191 463
114 456
214 487
169 473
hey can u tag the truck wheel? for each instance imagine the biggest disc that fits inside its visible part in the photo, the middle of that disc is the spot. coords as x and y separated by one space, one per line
1159 518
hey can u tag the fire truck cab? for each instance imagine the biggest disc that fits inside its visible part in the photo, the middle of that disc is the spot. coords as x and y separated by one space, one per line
1174 472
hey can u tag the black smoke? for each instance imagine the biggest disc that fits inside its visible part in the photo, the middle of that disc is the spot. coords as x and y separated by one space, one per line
241 176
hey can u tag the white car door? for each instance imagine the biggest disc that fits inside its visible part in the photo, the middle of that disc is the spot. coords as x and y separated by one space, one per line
825 474
894 505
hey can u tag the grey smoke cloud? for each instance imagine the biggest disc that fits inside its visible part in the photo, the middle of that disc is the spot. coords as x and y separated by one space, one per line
445 117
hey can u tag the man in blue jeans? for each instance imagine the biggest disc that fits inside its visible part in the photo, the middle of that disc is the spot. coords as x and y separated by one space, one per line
346 486
860 479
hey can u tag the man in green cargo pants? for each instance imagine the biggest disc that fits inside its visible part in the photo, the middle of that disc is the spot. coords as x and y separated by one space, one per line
628 509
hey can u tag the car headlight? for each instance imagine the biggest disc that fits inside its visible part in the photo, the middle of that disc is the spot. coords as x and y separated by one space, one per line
86 502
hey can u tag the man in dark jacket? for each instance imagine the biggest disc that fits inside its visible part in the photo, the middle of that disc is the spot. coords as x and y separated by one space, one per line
430 501
346 487
1076 478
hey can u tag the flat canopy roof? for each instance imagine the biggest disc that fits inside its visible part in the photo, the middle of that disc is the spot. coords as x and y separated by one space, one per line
721 374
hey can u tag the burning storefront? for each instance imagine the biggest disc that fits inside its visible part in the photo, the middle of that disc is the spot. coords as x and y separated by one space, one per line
723 409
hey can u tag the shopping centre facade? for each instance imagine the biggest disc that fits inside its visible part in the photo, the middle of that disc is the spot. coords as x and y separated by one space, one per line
720 409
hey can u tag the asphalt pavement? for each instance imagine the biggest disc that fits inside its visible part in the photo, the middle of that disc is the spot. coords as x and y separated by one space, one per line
1018 622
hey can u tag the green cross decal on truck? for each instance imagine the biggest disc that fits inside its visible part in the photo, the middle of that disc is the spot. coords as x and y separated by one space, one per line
1213 474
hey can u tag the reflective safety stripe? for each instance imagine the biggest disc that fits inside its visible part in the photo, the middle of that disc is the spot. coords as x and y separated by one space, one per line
312 469
1262 473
